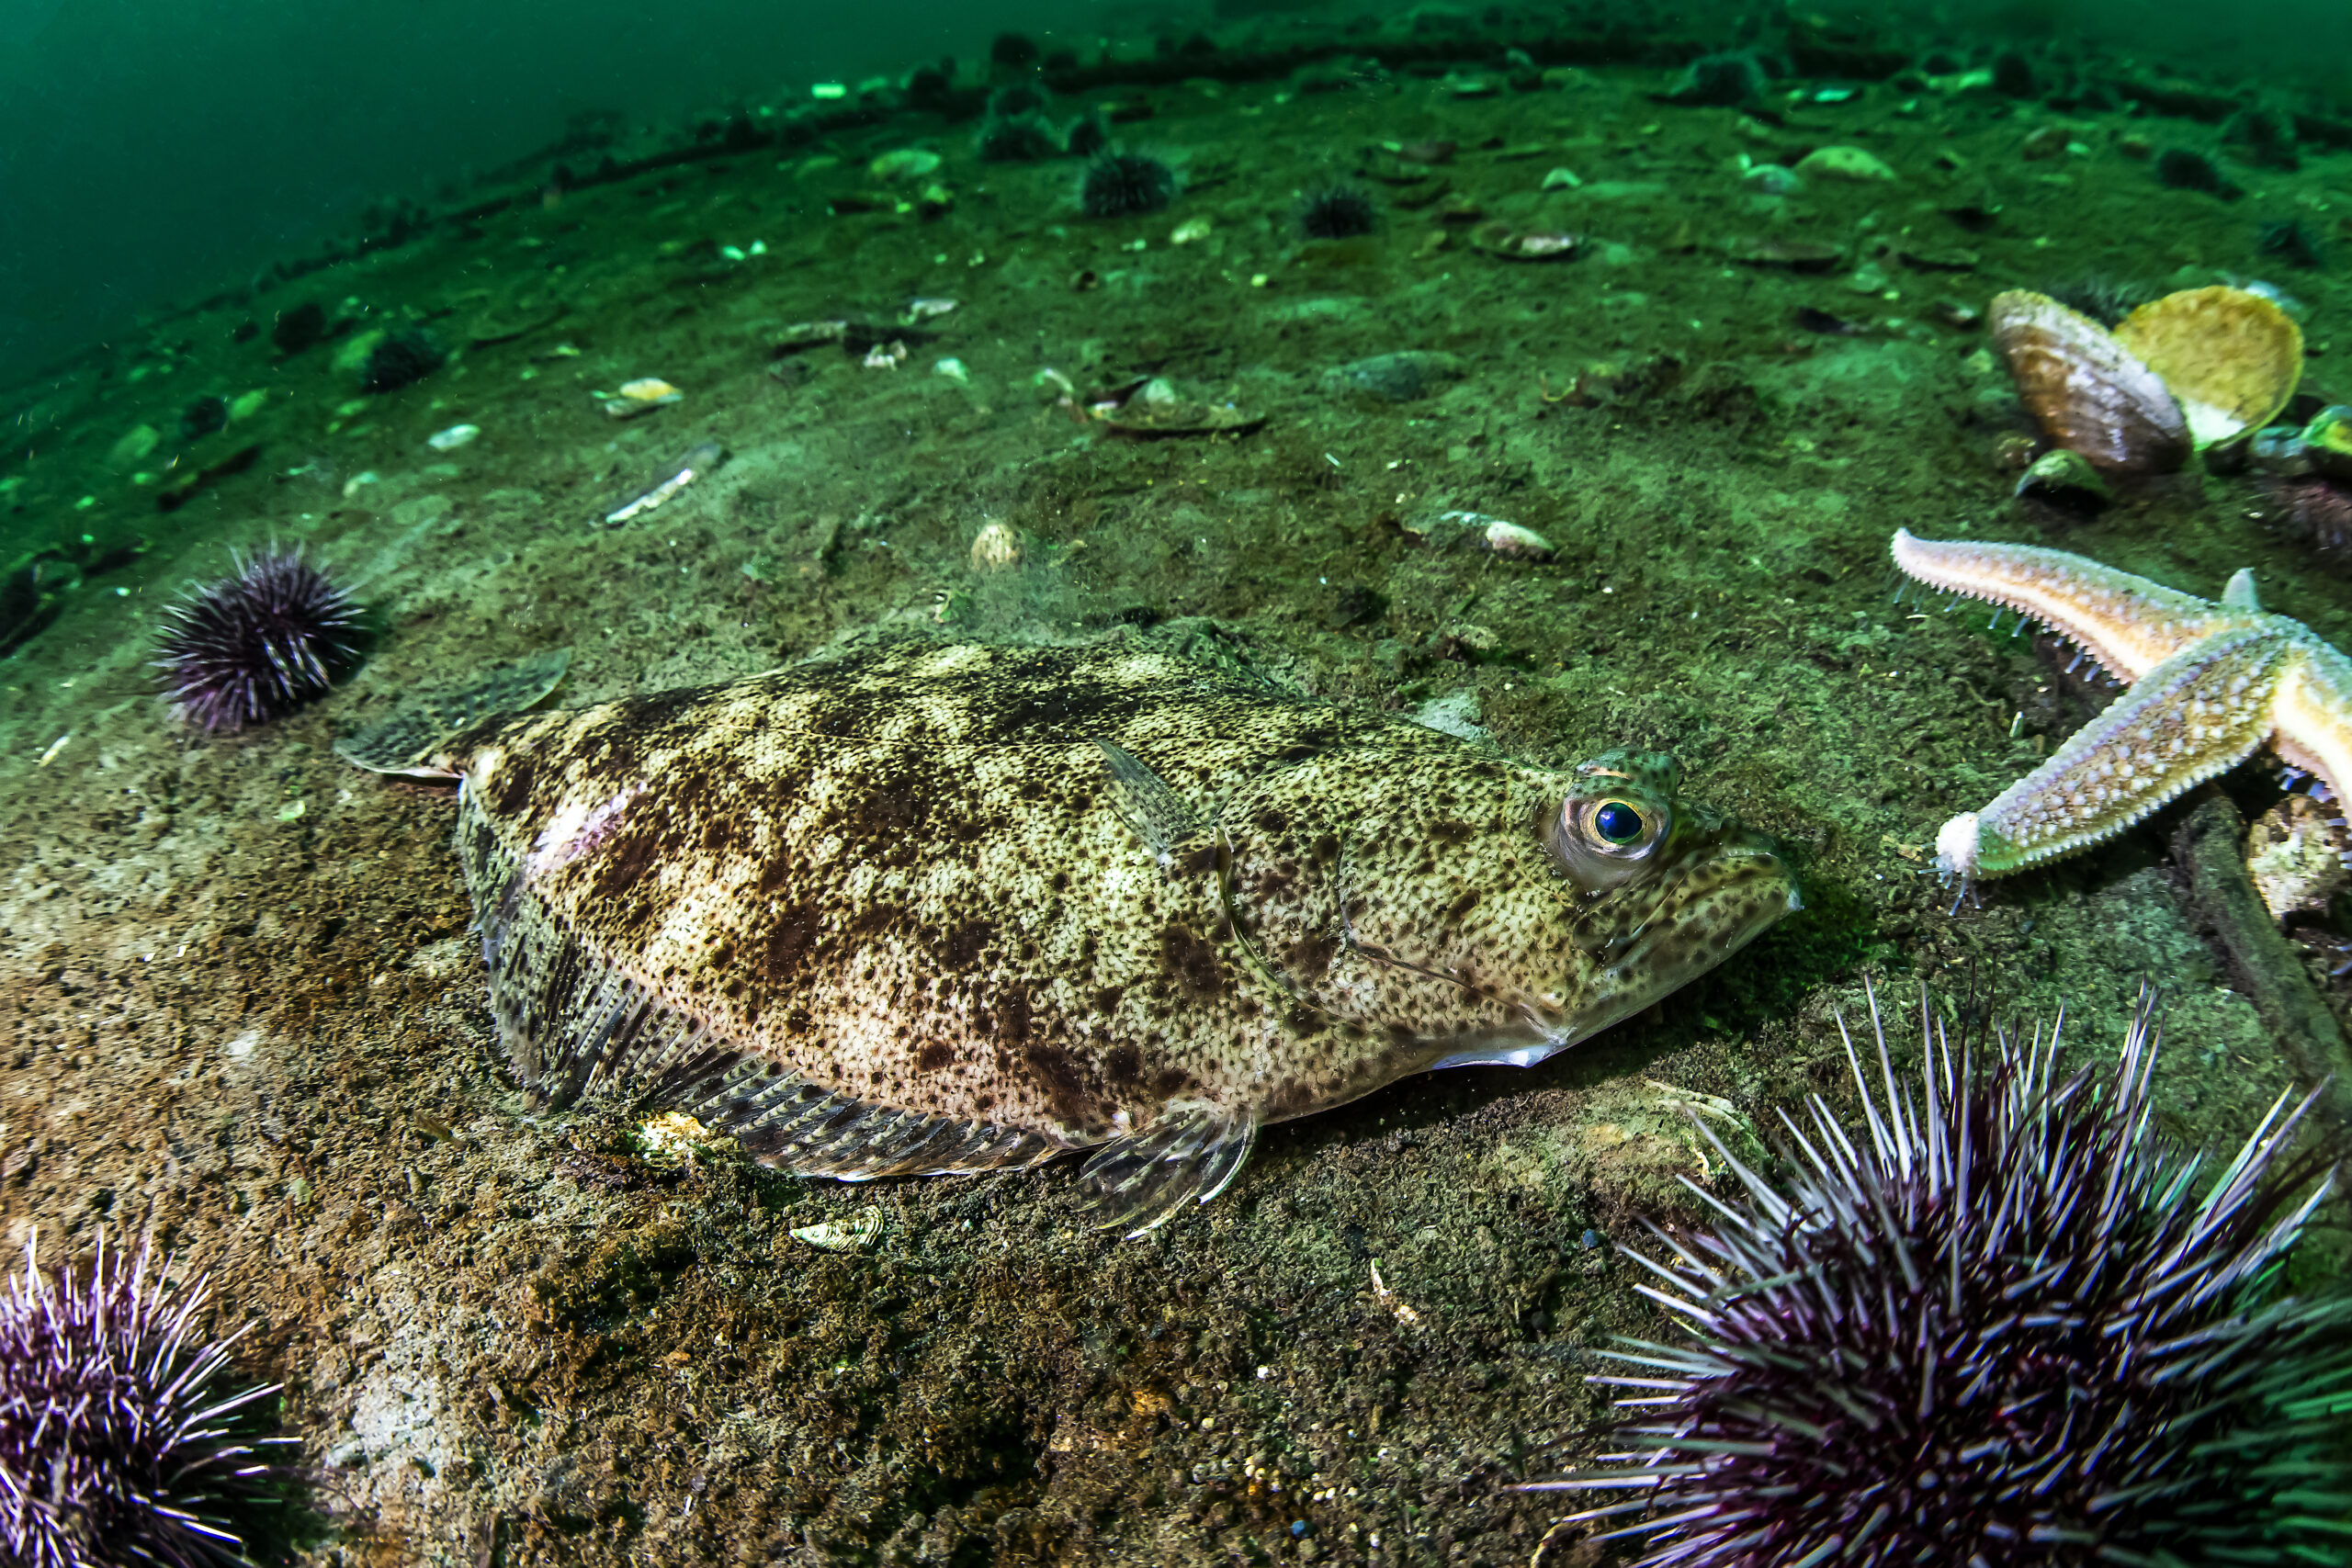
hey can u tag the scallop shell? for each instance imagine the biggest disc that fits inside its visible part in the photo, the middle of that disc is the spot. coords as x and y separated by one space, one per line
2089 392
2231 357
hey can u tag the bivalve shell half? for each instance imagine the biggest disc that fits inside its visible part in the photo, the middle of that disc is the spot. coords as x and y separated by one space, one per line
2087 391
2231 357
1510 243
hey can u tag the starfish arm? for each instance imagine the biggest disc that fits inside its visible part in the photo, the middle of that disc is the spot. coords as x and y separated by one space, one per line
2128 624
2313 714
2198 714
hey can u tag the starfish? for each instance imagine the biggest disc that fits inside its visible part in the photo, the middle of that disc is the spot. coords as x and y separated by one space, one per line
2210 684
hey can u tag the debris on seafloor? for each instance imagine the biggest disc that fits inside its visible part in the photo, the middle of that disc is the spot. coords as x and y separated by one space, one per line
1791 255
1512 242
1395 1304
1398 377
1496 535
668 481
2295 859
452 438
997 548
1842 164
903 164
836 1236
2065 479
639 397
1154 408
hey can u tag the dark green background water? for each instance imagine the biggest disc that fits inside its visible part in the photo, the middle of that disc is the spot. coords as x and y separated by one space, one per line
154 149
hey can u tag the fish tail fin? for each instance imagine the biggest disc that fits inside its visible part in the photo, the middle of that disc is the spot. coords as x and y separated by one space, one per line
1190 1155
404 742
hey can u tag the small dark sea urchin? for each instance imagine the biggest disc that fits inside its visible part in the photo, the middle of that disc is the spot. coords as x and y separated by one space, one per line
1126 185
259 644
116 1445
2001 1329
1339 211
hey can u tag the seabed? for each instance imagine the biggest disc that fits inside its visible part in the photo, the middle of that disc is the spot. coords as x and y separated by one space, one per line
239 1003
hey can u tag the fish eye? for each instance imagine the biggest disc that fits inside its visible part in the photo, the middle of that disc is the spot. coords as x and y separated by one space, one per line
1617 822
1605 840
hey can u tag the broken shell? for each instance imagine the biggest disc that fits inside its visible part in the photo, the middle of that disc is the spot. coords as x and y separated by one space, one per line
1842 164
1494 534
1937 258
2087 391
2327 441
2065 479
1502 538
903 164
641 397
997 548
2280 450
1500 239
1957 314
2230 356
1154 409
1797 255
833 1236
2293 858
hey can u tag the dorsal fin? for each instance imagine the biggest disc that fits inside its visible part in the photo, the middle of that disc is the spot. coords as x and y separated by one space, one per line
404 742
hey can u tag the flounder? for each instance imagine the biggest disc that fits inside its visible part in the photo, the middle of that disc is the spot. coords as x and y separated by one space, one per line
940 908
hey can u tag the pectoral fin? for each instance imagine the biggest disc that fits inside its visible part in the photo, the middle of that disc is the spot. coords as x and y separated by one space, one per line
1145 803
1190 1155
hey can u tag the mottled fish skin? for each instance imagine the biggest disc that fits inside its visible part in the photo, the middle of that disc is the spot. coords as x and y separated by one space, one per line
950 907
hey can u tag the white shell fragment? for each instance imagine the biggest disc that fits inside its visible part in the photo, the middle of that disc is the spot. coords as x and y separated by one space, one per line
833 1236
1496 535
700 459
449 440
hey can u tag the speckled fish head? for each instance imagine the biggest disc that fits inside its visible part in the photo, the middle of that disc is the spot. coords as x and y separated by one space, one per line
1472 908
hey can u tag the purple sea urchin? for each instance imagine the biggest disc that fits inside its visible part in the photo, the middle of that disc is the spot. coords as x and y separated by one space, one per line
2000 1329
116 1446
257 645
1126 185
1336 211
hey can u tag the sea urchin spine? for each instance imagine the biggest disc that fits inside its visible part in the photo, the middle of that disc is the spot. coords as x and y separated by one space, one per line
257 645
1997 1330
115 1448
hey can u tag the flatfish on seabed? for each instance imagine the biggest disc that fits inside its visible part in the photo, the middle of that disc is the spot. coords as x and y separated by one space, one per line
943 908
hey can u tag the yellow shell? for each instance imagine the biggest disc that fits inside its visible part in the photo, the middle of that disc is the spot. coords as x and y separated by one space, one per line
2231 357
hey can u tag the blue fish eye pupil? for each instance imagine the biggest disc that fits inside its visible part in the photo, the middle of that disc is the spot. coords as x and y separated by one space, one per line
1618 822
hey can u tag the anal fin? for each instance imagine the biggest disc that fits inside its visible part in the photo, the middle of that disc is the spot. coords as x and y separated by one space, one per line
783 1120
1190 1155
